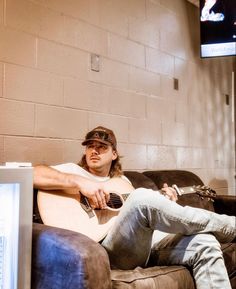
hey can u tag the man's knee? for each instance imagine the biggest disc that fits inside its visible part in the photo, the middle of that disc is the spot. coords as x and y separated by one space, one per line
205 245
143 196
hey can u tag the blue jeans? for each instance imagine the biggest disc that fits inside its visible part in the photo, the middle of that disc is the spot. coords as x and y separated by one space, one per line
192 240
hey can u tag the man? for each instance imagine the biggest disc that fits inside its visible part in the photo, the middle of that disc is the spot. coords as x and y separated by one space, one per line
194 234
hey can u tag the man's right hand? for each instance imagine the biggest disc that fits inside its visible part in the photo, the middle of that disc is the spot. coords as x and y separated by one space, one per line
98 193
95 193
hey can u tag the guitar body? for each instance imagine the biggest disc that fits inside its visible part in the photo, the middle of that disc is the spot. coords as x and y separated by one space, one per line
73 212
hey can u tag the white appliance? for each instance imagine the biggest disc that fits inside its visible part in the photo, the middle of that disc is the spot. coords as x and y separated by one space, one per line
16 203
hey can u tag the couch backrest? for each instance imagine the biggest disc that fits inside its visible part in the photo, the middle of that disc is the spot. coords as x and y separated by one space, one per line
140 180
179 177
155 180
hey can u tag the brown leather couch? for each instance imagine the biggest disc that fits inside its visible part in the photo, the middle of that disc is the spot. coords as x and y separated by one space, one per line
65 259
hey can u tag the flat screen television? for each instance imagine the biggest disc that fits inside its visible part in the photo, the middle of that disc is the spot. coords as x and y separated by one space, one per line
218 28
16 195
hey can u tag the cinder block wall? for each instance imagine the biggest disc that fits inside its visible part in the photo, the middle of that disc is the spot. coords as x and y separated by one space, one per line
50 97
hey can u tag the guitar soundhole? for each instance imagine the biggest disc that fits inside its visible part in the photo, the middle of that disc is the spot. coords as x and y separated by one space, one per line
115 201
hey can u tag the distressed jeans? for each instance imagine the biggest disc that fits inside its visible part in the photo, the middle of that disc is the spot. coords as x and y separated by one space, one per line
193 238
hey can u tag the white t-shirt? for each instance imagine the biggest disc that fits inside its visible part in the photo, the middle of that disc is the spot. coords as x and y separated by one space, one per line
72 168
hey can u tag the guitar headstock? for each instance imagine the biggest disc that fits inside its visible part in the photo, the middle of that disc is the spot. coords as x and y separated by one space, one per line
202 191
205 191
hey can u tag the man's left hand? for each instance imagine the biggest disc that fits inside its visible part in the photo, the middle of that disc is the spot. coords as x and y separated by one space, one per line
169 192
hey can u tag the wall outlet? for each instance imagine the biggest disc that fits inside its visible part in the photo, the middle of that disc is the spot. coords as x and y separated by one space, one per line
226 99
176 84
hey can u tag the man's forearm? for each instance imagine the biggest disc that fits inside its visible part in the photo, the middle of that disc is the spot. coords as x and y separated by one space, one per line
47 178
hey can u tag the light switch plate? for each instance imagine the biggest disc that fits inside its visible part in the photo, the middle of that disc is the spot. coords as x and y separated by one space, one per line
95 62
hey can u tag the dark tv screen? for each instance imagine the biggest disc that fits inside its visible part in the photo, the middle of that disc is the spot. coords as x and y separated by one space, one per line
218 28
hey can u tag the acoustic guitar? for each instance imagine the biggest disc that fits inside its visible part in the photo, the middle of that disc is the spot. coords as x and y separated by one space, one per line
73 211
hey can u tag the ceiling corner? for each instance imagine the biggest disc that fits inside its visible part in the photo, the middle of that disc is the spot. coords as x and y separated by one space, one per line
194 2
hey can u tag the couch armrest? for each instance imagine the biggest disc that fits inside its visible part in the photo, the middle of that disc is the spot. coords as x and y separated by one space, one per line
225 204
65 259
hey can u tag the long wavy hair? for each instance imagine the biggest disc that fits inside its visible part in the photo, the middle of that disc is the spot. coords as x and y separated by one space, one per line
115 170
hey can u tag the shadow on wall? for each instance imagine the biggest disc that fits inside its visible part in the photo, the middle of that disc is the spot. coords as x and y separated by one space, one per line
193 30
220 185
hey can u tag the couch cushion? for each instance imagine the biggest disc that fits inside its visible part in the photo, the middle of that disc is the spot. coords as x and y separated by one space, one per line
158 277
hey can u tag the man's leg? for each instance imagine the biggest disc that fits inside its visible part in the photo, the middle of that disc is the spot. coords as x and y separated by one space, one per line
201 252
129 242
